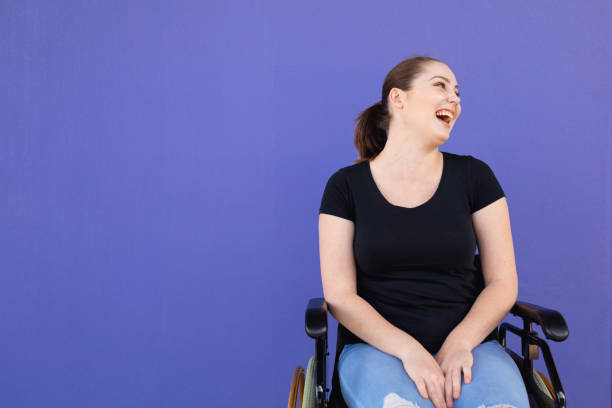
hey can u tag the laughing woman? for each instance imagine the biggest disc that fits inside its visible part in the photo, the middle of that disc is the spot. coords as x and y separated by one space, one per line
398 231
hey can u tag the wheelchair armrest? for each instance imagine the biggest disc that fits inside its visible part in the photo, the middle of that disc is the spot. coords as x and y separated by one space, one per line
316 318
551 321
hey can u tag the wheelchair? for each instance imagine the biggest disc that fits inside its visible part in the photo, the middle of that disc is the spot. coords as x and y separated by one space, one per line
308 385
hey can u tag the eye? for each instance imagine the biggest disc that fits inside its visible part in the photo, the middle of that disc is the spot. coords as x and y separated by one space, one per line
444 85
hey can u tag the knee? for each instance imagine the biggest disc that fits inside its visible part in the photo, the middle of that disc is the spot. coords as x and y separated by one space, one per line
393 400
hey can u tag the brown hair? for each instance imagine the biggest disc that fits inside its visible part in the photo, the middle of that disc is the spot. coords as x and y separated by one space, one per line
373 122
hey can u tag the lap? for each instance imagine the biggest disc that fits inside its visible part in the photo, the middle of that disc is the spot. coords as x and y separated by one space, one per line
371 378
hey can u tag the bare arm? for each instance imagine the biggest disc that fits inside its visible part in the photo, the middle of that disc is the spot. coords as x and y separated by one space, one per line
338 275
494 238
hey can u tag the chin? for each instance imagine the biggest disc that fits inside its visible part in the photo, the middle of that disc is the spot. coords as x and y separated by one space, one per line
445 136
445 133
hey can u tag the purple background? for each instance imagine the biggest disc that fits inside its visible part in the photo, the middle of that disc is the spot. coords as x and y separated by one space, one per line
162 165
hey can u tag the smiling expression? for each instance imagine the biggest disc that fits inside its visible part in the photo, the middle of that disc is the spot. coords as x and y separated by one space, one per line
434 90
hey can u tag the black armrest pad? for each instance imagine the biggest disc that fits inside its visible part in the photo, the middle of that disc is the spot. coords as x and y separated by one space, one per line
316 317
551 321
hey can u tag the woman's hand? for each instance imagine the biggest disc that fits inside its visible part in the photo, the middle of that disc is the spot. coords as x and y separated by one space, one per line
453 358
427 375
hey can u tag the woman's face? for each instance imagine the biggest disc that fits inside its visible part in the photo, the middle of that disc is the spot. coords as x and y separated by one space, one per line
432 90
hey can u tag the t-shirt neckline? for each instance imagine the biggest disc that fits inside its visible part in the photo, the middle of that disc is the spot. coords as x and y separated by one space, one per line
399 207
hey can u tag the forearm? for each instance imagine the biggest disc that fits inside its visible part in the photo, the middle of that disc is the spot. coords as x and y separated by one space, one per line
357 315
487 312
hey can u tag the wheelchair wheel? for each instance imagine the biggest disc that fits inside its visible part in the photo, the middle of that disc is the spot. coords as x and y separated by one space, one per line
297 382
306 383
309 399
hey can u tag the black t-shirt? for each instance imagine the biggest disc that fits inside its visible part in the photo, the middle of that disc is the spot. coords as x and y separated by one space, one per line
415 266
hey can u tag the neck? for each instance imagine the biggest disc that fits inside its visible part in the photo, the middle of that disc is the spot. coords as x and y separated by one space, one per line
405 156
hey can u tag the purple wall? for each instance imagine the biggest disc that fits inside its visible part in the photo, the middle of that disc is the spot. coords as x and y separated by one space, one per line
162 164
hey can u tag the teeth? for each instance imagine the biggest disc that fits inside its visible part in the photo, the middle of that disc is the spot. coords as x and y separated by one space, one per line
444 113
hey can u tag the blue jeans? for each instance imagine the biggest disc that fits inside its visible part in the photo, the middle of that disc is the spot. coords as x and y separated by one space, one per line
370 378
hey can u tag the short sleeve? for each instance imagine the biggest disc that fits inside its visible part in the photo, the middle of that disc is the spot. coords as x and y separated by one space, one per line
485 188
337 197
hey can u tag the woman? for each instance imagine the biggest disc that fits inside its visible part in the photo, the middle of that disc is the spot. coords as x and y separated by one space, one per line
398 232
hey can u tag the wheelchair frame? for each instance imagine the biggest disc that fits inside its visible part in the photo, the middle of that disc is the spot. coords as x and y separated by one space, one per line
551 321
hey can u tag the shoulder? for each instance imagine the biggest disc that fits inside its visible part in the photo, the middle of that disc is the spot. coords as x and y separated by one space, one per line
475 161
348 173
352 168
460 163
473 165
454 157
473 168
460 158
478 167
339 192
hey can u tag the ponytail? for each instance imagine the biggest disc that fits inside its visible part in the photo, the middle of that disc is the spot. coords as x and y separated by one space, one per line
370 132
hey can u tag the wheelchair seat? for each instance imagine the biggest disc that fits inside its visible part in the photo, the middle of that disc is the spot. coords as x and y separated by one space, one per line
309 386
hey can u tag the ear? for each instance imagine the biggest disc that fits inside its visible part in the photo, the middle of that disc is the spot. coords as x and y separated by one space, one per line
396 97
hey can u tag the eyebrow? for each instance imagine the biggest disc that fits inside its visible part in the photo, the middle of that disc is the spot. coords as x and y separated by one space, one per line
444 78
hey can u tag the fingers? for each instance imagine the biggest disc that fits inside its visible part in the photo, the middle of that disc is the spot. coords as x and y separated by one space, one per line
448 388
436 393
467 374
420 384
452 386
456 384
431 391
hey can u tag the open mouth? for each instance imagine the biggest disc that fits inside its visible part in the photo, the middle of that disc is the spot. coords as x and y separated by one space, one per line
444 118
